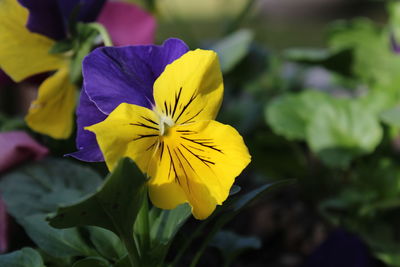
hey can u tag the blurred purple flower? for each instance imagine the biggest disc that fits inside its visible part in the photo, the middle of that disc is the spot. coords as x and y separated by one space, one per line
127 24
50 17
341 248
16 147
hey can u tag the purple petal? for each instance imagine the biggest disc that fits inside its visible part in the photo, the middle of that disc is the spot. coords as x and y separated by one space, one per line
44 18
87 114
3 227
17 147
88 10
115 75
50 17
127 24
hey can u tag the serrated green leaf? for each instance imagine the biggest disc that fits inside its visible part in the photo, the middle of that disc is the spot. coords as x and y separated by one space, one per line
374 61
92 262
290 114
59 243
233 48
115 205
25 257
341 131
39 188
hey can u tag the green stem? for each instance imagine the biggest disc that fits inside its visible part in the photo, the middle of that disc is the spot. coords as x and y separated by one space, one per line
187 243
103 33
218 224
132 250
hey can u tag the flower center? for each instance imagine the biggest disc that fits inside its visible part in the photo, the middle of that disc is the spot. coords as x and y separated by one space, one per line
165 124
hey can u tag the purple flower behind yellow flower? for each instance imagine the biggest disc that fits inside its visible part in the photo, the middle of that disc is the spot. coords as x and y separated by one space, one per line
157 105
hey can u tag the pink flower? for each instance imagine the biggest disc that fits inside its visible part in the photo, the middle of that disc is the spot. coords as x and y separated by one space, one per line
127 24
16 147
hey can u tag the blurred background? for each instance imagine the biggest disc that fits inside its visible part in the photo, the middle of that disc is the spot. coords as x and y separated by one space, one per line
314 90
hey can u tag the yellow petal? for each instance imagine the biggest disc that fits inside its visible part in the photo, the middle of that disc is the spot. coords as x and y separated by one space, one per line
53 110
208 156
127 132
22 53
191 88
132 131
195 163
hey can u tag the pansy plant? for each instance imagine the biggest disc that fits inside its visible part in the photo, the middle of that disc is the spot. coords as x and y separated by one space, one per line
44 36
157 105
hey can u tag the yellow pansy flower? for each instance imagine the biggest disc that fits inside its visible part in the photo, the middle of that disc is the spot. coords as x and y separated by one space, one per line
187 155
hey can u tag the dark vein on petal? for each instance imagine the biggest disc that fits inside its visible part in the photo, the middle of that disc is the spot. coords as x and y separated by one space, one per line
166 108
177 97
149 120
145 136
186 106
199 142
150 147
173 166
193 116
184 171
144 126
162 149
198 157
187 161
196 148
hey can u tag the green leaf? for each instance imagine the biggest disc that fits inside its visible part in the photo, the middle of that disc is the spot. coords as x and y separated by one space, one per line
374 61
114 207
233 48
290 114
92 262
26 257
107 243
391 259
341 131
59 243
39 188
